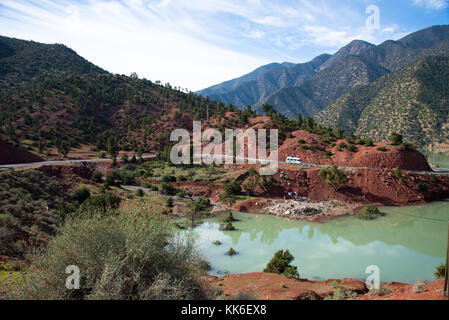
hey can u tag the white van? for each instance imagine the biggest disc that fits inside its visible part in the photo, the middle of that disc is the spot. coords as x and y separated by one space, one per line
293 160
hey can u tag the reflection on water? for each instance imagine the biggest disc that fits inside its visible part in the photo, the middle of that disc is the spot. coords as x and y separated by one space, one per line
407 244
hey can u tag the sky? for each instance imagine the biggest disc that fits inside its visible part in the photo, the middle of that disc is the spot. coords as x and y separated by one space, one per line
194 44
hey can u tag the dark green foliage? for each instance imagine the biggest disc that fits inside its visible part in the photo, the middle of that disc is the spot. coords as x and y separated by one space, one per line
422 187
399 174
167 189
101 203
97 177
233 188
382 149
334 177
140 193
396 139
440 271
368 212
168 179
170 203
80 195
281 264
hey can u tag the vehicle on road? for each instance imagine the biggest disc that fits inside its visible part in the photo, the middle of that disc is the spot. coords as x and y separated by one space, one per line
293 160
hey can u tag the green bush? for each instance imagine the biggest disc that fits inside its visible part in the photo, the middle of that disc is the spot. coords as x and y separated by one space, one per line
281 264
340 293
395 139
97 177
101 203
334 177
168 179
80 195
140 193
167 189
422 187
440 272
121 257
399 174
169 202
231 252
382 149
368 212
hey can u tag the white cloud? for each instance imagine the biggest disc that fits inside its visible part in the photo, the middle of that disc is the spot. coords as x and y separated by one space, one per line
192 43
432 4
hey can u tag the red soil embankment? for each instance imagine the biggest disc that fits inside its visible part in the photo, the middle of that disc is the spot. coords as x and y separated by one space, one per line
268 286
11 155
365 157
380 187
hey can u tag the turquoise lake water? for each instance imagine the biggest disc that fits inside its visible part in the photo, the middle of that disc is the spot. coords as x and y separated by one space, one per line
407 244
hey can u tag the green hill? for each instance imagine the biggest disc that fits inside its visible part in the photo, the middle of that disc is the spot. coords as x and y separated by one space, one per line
22 62
413 101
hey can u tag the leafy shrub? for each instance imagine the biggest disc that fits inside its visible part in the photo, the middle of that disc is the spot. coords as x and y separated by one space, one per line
101 203
122 257
167 189
281 264
382 291
334 177
340 293
399 174
396 139
368 212
80 195
169 202
422 187
369 143
440 272
382 149
97 177
140 193
168 179
341 146
231 252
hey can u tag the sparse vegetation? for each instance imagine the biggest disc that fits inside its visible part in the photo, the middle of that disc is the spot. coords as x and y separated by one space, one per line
334 177
368 212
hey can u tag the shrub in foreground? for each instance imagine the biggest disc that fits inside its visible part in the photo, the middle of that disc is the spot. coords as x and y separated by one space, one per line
120 257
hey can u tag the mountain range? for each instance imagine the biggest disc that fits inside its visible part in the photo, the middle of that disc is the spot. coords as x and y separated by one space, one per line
357 65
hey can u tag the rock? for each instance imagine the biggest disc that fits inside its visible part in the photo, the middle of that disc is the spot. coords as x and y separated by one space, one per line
420 287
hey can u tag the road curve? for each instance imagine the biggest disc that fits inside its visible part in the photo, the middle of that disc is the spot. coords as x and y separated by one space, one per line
312 165
62 162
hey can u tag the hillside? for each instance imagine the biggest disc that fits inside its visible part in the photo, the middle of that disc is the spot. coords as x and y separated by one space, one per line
325 87
358 66
94 108
252 88
22 62
412 101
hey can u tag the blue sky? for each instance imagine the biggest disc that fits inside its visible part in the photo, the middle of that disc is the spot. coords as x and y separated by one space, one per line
198 43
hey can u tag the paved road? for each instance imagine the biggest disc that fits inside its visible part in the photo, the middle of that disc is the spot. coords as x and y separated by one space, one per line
46 163
312 165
